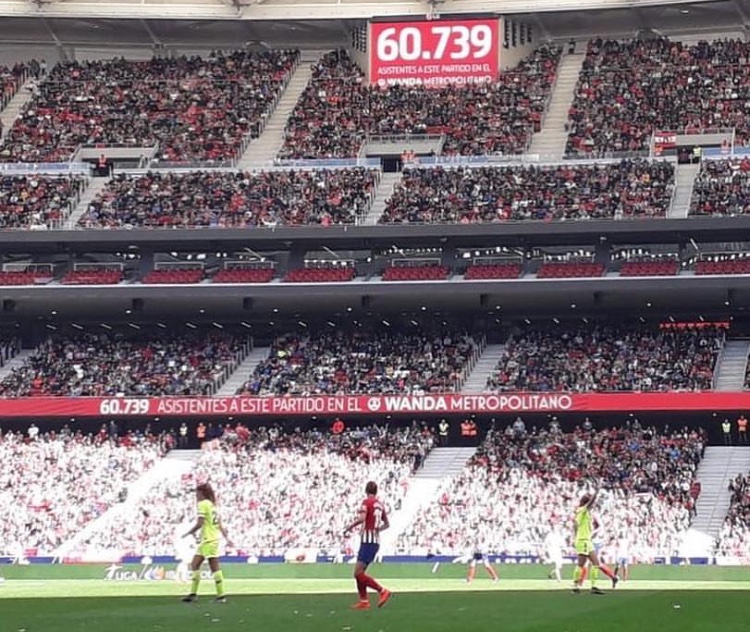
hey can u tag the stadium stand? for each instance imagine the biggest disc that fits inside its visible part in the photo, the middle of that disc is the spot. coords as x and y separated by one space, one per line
93 276
608 358
307 486
511 270
193 109
37 201
176 275
415 270
521 484
364 362
723 264
58 482
241 274
667 267
734 537
338 110
721 188
233 199
631 188
323 273
627 90
570 270
139 363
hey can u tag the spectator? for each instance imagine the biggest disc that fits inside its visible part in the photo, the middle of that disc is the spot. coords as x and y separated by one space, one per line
347 363
300 479
608 359
518 485
632 188
721 188
627 90
734 538
338 110
37 202
118 364
58 483
239 199
193 109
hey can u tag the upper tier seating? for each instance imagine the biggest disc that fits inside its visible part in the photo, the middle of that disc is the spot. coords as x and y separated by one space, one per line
338 110
194 109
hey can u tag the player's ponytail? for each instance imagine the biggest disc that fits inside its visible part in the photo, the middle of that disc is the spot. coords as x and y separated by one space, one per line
207 492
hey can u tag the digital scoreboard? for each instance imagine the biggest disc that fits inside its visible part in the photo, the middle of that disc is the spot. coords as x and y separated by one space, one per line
434 53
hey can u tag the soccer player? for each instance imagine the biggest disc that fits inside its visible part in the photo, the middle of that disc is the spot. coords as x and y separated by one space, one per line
584 546
210 527
622 566
183 555
472 558
553 548
374 519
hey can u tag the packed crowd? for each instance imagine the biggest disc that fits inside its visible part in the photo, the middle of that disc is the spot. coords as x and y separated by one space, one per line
53 484
12 79
627 90
338 109
608 359
237 199
632 188
109 364
194 109
521 484
734 538
306 487
372 362
37 202
721 188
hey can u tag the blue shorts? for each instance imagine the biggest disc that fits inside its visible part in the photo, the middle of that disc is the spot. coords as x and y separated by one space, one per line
367 552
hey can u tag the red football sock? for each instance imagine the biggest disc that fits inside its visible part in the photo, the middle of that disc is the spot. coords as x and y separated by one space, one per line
369 582
471 573
361 587
584 572
606 570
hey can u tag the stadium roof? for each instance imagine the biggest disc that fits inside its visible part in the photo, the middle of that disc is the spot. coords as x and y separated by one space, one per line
232 22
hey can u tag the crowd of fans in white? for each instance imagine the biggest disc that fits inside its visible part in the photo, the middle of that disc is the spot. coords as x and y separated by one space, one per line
340 363
51 485
276 491
722 188
233 199
523 484
192 108
629 89
734 538
608 358
141 364
632 188
338 109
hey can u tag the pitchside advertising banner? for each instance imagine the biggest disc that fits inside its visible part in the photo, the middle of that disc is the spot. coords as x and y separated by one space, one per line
434 53
370 405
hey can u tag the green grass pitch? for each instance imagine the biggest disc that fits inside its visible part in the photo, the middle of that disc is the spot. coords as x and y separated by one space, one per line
317 598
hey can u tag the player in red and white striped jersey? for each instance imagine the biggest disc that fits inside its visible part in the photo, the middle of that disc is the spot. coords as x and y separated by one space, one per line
374 519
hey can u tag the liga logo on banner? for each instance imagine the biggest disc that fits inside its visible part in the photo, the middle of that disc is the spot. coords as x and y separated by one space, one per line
434 53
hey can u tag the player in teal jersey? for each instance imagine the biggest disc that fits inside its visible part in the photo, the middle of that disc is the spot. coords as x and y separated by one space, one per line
210 528
583 534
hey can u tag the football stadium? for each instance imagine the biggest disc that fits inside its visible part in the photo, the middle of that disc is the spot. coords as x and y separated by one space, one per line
332 315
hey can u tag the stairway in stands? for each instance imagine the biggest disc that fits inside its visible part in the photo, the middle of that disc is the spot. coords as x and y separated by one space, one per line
549 144
483 369
441 464
719 466
171 467
382 194
262 151
242 372
684 179
729 374
16 105
94 187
